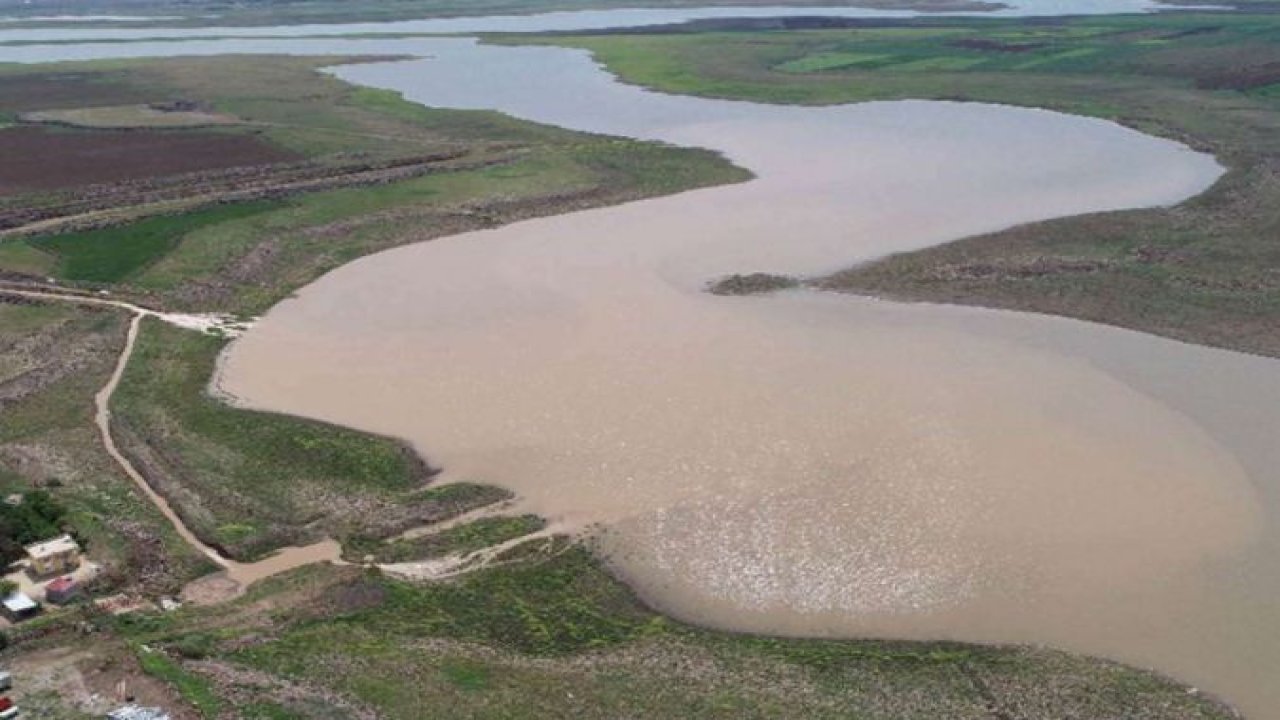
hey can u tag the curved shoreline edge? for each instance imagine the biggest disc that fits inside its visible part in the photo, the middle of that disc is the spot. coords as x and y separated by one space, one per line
930 274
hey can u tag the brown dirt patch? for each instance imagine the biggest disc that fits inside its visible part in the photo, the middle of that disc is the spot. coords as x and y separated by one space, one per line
39 159
211 590
46 91
86 677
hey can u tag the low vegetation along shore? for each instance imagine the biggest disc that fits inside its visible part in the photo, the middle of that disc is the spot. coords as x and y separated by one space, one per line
200 13
1206 271
517 622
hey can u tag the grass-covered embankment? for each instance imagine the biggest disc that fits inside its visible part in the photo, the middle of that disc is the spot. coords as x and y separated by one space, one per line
52 359
250 481
1207 271
554 635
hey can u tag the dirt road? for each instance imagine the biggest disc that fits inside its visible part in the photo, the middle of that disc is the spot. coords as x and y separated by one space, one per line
234 576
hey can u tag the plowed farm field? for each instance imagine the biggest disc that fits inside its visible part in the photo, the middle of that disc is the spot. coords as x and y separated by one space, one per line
41 159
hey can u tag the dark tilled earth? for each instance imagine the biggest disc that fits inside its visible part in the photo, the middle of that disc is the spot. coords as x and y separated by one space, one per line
55 90
52 159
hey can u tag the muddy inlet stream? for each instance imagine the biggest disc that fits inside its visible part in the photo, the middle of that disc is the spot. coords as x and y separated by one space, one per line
804 463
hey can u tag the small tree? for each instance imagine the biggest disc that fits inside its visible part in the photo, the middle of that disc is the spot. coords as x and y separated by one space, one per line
7 588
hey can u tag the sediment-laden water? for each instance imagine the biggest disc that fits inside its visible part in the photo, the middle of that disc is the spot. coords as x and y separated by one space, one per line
806 463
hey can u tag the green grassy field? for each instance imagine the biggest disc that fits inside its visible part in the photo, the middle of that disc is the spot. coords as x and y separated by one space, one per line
553 635
113 254
1205 272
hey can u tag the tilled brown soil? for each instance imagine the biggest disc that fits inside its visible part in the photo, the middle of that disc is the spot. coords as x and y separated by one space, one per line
38 159
48 91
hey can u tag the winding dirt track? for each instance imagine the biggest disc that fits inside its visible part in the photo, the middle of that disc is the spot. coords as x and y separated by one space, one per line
240 574
102 418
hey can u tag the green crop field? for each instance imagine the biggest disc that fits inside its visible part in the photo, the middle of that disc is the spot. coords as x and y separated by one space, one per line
113 254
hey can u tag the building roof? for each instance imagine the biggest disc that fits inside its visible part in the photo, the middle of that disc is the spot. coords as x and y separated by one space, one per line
56 546
62 584
18 602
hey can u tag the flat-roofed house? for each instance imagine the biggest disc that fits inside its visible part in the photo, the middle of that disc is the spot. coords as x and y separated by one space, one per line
17 606
54 557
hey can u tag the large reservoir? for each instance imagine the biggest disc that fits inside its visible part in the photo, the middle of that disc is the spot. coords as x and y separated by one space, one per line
803 463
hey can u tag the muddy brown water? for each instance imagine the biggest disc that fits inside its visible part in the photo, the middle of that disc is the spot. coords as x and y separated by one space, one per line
802 463
805 464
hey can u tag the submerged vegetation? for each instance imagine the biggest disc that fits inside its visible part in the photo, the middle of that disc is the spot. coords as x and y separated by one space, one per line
1205 271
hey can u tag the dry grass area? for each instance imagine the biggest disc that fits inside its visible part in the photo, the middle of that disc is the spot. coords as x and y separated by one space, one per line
249 482
125 117
77 681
